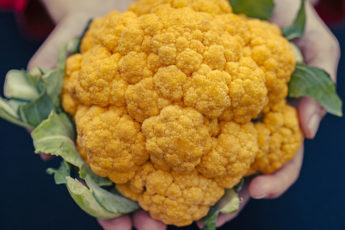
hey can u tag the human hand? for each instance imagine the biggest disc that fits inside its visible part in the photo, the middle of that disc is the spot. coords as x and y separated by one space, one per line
320 49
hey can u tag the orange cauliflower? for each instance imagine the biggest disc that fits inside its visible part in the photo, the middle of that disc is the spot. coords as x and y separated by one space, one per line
166 98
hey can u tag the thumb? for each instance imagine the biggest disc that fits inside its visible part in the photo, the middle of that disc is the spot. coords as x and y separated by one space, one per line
310 114
70 27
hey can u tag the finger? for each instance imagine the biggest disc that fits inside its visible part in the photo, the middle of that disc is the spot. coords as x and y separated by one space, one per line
310 114
143 221
46 157
274 185
71 27
121 223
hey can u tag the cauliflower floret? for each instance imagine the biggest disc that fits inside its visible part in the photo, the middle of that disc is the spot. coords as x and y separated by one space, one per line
173 198
176 139
233 152
247 91
143 101
210 6
110 142
208 93
279 138
167 86
275 57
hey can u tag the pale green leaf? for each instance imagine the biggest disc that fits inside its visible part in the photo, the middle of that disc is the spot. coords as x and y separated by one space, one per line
86 200
18 86
61 173
8 111
230 202
55 136
110 201
85 171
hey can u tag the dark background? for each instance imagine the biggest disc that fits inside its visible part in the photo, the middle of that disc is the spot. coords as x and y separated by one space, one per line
29 198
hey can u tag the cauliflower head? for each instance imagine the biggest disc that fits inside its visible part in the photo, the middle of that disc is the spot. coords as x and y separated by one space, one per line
167 98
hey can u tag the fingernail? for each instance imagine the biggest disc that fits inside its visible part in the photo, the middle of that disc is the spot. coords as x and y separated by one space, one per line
260 196
313 124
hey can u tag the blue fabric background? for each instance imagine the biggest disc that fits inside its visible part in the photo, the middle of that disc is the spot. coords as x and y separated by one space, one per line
29 199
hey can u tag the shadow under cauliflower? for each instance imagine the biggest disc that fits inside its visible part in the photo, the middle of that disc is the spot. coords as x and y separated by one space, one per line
164 97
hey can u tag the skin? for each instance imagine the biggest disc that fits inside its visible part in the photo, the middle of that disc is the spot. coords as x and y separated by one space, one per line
323 52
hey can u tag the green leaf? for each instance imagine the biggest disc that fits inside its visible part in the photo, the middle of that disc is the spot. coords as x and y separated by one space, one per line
86 200
230 202
35 112
55 136
85 171
211 219
297 28
52 83
8 111
261 9
110 201
93 199
18 86
61 173
317 84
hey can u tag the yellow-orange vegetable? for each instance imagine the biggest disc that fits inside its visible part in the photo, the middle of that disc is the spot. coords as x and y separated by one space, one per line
165 96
